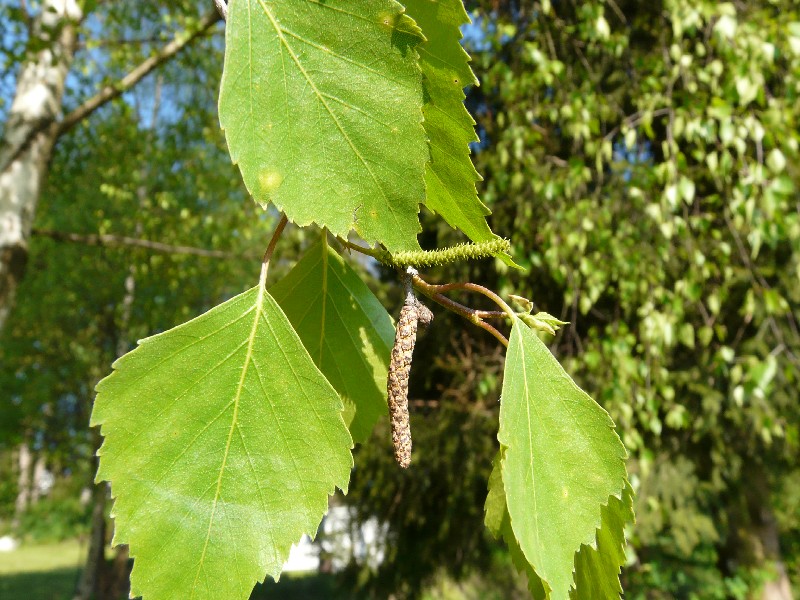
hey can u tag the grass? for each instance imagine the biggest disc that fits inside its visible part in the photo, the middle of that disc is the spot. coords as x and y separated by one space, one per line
51 571
41 572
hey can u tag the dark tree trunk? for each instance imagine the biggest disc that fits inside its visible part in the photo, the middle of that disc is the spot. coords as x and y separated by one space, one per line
88 586
754 536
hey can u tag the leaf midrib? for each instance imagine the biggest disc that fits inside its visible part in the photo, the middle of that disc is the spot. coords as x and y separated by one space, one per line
530 437
234 422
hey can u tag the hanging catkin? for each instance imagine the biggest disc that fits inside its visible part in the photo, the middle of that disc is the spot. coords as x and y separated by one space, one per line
399 370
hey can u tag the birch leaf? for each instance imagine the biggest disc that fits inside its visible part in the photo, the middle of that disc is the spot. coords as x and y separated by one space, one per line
563 460
597 568
321 103
450 176
222 444
499 525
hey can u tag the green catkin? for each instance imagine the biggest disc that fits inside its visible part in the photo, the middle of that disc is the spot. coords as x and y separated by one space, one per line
461 252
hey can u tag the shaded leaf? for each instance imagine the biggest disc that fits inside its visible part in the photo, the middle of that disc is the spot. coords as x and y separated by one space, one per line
321 106
222 443
563 460
345 329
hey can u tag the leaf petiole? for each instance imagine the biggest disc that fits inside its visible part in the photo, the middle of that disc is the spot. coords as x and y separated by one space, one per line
262 280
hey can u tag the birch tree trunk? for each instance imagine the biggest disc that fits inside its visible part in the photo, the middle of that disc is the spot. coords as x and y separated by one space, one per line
25 459
39 473
29 135
33 126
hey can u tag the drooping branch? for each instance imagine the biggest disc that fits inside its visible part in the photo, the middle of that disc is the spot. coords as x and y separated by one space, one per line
111 92
108 240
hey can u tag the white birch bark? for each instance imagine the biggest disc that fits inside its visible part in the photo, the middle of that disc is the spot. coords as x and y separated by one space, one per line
28 138
25 459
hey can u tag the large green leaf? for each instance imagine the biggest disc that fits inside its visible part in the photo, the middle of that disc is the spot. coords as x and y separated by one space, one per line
597 568
563 460
321 105
222 443
345 329
450 177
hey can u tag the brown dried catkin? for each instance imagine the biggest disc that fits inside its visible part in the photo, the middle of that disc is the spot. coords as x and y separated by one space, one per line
399 370
412 313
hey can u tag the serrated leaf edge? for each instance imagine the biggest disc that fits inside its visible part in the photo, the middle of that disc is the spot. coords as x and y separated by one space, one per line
592 544
622 545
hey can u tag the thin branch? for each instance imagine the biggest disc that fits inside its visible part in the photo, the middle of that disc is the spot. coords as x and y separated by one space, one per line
113 43
378 255
490 314
111 92
617 11
467 313
636 119
26 14
262 280
471 287
108 240
470 314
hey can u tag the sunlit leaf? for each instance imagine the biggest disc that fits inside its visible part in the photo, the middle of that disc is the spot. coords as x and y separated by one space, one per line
597 568
499 525
450 176
321 106
222 443
562 463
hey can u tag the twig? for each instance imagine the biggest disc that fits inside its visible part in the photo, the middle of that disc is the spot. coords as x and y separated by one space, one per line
434 293
471 287
635 119
617 11
110 92
262 280
109 240
222 8
113 43
378 255
470 314
26 14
